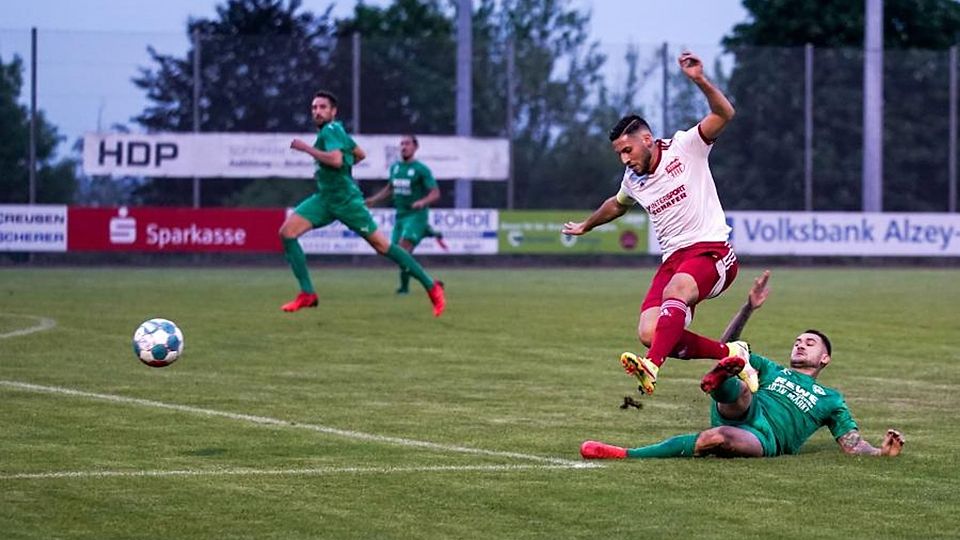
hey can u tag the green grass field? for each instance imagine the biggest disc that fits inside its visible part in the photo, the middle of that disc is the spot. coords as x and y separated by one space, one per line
368 418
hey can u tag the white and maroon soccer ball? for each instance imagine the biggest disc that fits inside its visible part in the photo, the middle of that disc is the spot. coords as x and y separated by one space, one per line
158 342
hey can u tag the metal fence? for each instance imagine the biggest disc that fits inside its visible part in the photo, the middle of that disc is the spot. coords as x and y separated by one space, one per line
796 143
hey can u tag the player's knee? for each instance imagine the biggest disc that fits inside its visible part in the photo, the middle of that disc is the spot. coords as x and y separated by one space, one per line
380 246
645 334
716 441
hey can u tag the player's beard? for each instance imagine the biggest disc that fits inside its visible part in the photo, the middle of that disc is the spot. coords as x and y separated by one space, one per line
643 164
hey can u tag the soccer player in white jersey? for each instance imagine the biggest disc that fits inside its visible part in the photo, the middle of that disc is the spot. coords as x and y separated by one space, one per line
671 179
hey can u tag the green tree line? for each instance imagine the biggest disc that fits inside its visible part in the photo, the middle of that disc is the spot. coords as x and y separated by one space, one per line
262 60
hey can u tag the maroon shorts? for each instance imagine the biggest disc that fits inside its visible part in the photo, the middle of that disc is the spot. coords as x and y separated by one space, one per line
713 265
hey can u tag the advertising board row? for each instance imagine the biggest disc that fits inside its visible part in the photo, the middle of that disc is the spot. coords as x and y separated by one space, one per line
56 228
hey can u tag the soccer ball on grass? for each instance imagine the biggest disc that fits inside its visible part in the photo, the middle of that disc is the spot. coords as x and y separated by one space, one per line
158 342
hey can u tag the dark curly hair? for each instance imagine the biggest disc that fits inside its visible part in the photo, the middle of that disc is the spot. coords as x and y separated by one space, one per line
628 124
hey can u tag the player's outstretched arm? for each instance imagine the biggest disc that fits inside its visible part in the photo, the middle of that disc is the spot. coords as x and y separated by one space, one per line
721 110
755 298
610 210
383 194
853 443
431 197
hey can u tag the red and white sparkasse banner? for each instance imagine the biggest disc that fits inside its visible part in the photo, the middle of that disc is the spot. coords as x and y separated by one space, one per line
173 229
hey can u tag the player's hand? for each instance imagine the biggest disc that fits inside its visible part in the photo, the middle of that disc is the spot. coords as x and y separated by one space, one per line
691 65
892 443
759 292
417 205
573 229
299 145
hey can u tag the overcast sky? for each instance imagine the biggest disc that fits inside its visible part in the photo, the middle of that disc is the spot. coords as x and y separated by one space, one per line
89 49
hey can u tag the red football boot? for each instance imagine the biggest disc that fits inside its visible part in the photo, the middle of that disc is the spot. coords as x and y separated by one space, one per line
436 298
303 300
599 450
730 366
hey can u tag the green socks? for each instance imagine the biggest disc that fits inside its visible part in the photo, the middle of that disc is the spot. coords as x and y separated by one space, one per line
408 266
404 280
298 263
679 446
407 263
727 392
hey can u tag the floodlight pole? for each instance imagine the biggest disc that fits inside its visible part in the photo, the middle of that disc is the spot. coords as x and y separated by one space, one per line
665 129
32 197
952 158
463 192
808 127
511 101
196 106
356 83
872 179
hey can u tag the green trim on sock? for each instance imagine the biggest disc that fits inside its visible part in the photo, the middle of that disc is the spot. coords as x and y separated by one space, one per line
679 446
727 392
298 263
406 262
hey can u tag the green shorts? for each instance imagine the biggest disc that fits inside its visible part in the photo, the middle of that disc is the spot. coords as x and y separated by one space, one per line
350 211
411 227
755 422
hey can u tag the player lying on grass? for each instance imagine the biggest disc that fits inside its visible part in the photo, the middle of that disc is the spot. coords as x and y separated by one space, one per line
787 409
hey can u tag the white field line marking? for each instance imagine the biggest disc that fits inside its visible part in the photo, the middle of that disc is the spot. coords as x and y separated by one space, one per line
279 472
43 323
264 420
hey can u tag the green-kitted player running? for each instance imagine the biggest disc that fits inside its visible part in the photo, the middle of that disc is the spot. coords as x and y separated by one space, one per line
339 198
786 410
413 189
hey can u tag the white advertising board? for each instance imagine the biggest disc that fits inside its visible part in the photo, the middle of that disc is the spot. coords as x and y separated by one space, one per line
845 234
472 231
267 155
33 228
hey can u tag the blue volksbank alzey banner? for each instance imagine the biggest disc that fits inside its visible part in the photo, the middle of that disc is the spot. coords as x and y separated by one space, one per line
845 234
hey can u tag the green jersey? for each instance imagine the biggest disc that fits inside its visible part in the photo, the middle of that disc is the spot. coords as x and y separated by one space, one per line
411 181
335 183
796 406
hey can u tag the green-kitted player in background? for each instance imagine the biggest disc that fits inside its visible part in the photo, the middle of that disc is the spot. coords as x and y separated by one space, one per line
413 189
339 198
787 409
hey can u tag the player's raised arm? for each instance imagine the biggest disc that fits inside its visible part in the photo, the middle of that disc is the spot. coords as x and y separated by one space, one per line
610 210
755 298
853 444
721 110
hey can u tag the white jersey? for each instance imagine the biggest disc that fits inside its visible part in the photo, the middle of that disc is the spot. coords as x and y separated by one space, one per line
680 195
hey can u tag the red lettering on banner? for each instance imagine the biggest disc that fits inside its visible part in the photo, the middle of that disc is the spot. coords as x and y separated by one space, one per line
174 229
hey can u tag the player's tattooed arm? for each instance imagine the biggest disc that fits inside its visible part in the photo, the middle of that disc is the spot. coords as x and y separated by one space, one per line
755 298
853 443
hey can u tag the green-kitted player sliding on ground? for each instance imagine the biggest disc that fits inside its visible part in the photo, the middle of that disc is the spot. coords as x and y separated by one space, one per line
786 410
